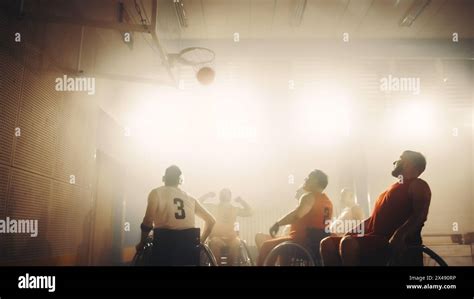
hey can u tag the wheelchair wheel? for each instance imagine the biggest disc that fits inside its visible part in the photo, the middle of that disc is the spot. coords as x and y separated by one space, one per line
207 259
431 259
289 254
245 259
143 258
428 257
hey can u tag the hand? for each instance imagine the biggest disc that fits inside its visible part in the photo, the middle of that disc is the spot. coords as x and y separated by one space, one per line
238 199
274 229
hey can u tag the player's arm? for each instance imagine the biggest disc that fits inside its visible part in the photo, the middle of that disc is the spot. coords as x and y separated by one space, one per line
246 210
303 208
147 224
209 220
420 193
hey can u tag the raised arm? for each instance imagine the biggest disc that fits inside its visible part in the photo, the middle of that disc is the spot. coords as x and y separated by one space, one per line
246 210
208 220
305 205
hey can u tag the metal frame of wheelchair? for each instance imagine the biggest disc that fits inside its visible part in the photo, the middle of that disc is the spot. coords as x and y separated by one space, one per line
305 258
207 258
244 258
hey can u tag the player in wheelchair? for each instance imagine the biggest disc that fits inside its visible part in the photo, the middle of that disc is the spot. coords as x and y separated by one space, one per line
170 213
241 257
290 253
308 222
393 231
224 241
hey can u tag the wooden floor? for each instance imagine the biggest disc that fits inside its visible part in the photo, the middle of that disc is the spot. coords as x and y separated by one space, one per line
451 249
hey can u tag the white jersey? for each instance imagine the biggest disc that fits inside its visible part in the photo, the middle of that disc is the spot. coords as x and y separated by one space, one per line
175 208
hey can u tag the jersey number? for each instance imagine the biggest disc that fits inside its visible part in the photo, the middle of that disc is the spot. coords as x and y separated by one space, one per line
180 205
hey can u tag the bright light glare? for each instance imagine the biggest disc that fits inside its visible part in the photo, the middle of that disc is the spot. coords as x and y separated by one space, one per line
413 119
161 120
324 118
203 121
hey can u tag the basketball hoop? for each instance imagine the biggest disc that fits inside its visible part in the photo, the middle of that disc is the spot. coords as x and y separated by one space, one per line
200 59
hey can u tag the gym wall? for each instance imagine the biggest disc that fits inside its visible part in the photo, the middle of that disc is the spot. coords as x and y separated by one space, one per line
48 141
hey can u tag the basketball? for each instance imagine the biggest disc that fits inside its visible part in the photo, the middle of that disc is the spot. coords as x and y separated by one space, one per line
205 75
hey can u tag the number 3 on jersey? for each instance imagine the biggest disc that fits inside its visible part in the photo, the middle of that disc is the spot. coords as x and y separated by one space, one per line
180 205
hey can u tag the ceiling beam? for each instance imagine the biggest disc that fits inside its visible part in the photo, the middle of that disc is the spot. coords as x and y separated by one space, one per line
88 23
156 41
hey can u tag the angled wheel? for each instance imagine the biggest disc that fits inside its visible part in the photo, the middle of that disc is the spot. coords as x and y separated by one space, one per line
245 259
289 254
431 259
207 259
143 258
418 256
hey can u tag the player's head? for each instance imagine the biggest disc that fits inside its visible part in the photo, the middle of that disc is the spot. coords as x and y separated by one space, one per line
225 195
410 164
172 176
316 181
347 197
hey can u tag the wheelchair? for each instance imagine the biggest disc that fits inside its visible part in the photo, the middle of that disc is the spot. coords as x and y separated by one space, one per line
188 251
292 254
244 258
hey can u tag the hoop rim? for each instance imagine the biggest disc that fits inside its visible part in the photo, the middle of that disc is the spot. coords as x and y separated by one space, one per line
179 56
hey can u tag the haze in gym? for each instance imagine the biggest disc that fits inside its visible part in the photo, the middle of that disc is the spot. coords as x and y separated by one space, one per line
99 98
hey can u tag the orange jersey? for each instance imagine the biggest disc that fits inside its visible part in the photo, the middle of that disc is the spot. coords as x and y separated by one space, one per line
392 209
315 218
